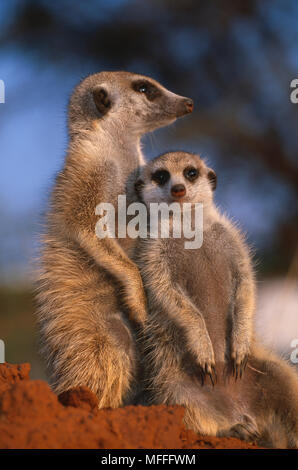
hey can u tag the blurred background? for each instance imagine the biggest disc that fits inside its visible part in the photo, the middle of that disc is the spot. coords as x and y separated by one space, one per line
236 59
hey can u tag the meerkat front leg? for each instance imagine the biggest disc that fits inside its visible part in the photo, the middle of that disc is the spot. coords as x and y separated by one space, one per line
170 298
181 311
242 321
190 319
108 254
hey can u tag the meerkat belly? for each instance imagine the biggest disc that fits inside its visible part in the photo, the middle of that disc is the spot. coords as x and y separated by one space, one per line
206 277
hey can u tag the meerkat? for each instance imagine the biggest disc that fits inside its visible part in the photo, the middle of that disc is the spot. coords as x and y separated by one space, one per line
200 318
89 292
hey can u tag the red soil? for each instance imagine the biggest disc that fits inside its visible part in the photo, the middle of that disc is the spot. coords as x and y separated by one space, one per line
32 416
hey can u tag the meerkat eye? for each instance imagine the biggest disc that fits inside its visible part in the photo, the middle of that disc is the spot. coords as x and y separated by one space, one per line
191 173
140 87
143 88
161 177
150 90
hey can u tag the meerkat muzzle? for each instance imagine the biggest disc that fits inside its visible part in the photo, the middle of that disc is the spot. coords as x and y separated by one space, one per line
189 105
184 106
178 190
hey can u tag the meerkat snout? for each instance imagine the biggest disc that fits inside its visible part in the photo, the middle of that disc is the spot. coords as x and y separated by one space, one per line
189 105
185 106
178 190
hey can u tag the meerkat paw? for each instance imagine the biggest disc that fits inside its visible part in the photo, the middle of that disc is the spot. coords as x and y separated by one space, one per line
210 371
206 363
138 313
239 358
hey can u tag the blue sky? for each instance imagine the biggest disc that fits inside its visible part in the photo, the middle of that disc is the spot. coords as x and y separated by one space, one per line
33 140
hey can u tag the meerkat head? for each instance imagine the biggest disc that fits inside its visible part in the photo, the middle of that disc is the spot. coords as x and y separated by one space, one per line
134 102
176 177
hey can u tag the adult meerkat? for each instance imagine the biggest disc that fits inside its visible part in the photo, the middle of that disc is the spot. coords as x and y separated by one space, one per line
88 287
201 305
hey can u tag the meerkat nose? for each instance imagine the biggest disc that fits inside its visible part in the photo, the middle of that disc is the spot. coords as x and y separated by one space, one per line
189 105
178 190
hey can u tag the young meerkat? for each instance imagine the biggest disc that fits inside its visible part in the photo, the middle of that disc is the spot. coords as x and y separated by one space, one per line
88 288
222 294
201 306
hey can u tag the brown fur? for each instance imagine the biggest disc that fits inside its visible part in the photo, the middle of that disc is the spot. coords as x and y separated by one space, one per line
88 288
201 306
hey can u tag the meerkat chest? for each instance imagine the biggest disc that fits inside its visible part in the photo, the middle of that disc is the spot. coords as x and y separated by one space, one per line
207 276
111 188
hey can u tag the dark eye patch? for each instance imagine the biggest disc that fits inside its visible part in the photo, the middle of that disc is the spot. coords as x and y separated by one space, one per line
191 173
161 177
146 87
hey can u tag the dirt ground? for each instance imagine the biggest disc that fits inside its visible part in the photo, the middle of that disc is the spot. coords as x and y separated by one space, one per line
33 417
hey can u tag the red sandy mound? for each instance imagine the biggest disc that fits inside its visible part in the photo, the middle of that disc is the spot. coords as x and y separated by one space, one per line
32 416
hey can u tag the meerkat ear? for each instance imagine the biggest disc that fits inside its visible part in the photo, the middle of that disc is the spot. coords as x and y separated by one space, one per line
139 184
101 100
211 175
